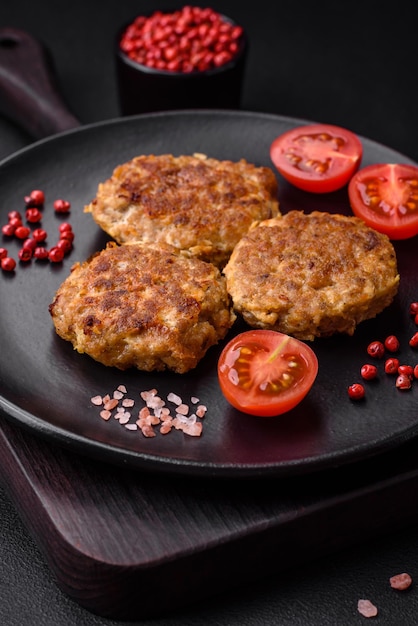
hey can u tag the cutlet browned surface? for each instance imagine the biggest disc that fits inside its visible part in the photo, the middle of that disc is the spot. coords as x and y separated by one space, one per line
142 306
311 275
194 203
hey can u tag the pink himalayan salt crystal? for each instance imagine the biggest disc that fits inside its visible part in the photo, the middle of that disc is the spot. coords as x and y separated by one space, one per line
366 608
400 581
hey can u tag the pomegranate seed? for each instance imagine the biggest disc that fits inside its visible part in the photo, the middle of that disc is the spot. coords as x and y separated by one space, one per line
403 382
56 255
416 319
356 391
39 235
8 264
13 215
33 215
391 366
3 253
413 342
392 343
376 349
416 371
36 198
61 206
25 254
413 308
8 230
22 232
368 372
40 253
406 370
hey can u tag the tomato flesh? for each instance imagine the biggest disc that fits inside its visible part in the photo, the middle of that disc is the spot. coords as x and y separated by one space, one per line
319 158
385 196
266 373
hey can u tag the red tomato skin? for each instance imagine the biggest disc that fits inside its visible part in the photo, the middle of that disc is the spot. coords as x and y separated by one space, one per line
270 405
387 181
337 169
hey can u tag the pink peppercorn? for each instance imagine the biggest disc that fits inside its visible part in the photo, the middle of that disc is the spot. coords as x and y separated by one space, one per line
192 39
7 264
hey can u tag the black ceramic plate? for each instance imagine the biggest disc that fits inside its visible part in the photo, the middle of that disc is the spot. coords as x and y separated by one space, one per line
47 386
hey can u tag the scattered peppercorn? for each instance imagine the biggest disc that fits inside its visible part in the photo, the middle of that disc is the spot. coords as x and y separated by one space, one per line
61 206
356 391
392 343
391 366
403 382
376 349
7 264
413 342
368 372
31 240
35 198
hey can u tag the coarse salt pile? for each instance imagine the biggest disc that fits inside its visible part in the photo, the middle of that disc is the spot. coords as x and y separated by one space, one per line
154 413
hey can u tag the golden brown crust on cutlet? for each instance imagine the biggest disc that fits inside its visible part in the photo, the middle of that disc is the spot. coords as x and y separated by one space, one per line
311 275
197 204
143 306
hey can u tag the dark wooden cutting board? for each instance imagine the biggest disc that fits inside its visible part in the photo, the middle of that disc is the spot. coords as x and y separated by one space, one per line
128 545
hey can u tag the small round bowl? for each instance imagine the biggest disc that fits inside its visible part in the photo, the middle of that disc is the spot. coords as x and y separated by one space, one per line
143 89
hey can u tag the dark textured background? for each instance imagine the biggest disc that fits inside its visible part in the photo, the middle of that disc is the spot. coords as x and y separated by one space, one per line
331 62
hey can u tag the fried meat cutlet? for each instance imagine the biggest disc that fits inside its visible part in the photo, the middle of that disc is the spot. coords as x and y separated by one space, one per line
197 204
143 306
311 275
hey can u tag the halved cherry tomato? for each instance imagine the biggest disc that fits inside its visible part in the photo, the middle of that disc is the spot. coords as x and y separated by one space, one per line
385 196
319 157
266 373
